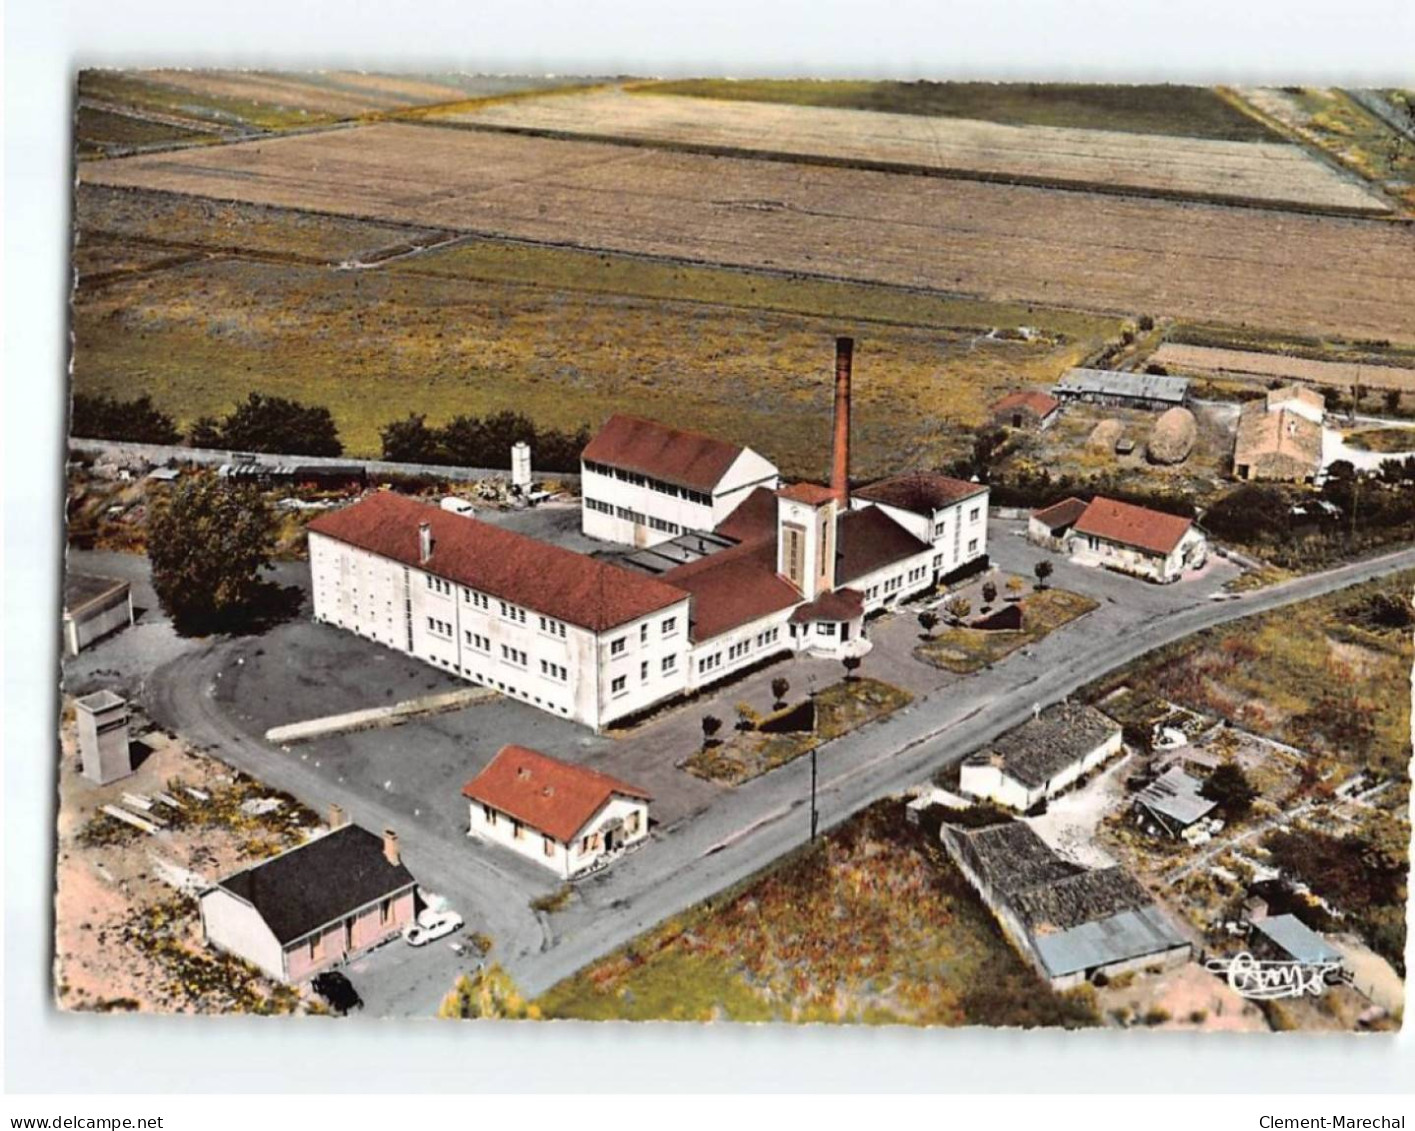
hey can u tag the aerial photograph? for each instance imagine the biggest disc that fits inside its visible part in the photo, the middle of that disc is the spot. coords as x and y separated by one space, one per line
835 552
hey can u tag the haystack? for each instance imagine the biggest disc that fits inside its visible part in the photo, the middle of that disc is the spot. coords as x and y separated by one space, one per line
1104 435
1172 438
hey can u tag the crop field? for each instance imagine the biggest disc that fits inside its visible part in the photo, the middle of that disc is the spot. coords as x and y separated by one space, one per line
1270 173
1306 274
871 925
1178 111
375 345
1252 365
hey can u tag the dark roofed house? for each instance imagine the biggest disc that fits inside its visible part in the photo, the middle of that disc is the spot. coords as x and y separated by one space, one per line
1026 408
868 541
1070 922
674 455
919 492
314 906
568 818
1042 757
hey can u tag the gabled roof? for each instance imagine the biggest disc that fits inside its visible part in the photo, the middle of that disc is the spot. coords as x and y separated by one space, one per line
687 459
502 563
1265 431
812 494
82 590
551 796
1174 794
867 540
1110 383
919 492
734 587
753 519
320 882
1043 404
1042 747
1129 525
1062 515
837 605
1286 394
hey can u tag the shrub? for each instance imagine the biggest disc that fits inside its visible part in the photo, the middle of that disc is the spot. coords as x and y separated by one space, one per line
1156 1016
107 418
780 686
711 725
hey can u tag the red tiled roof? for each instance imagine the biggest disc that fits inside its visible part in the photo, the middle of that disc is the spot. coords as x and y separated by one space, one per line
502 563
812 494
688 459
754 518
734 587
1060 515
552 797
1043 404
921 492
838 605
867 540
1130 525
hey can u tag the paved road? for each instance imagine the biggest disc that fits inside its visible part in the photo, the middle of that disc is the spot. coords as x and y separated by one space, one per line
746 829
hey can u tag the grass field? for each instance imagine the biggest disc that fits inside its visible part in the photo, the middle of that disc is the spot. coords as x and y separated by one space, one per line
870 925
1382 439
1273 174
967 650
1317 676
1262 366
1304 274
566 337
840 708
1176 111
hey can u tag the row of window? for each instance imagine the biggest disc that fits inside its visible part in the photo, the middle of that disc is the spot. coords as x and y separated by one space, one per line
554 671
514 656
438 585
552 626
664 525
620 644
619 685
479 642
974 514
598 505
658 485
512 613
439 627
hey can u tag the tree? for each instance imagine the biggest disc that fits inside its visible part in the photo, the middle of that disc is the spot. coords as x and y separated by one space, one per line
779 687
1043 570
489 992
711 725
411 441
205 433
958 608
208 543
279 426
928 621
852 665
1391 397
747 717
138 421
1230 787
1015 586
989 592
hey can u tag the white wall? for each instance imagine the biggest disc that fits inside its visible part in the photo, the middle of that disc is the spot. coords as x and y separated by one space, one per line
746 639
234 926
647 643
950 530
562 859
993 783
879 588
1087 550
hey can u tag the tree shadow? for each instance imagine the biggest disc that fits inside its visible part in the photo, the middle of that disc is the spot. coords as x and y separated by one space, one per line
270 605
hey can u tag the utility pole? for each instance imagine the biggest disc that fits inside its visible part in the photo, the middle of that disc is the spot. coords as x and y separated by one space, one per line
815 816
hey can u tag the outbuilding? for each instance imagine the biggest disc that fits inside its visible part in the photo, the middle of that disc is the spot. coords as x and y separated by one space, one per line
1136 540
1172 804
567 818
1026 408
1042 757
315 906
94 607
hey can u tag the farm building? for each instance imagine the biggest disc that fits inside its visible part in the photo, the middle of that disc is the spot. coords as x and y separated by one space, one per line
1042 757
1124 390
1072 924
1285 938
94 607
643 482
1027 408
315 906
1121 536
792 569
1171 804
1280 437
567 818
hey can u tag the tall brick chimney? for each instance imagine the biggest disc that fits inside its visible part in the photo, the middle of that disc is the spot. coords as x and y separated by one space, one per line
390 848
840 454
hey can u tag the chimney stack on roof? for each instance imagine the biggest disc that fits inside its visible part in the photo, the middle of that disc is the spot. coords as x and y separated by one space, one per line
337 817
840 456
425 542
390 848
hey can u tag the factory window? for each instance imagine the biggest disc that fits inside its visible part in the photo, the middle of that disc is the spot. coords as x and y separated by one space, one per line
513 656
940 527
737 651
518 830
670 626
826 628
617 646
973 514
489 815
669 663
549 847
972 545
619 685
644 633
644 672
631 823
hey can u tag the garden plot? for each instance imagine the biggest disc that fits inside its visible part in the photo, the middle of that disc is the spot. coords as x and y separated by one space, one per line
1259 172
1307 274
1252 365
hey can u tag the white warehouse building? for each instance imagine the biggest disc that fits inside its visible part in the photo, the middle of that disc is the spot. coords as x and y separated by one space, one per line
643 482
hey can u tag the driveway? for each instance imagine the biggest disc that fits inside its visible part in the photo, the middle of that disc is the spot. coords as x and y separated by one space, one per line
733 834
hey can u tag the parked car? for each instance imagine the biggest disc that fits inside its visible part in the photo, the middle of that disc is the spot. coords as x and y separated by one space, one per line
431 926
337 991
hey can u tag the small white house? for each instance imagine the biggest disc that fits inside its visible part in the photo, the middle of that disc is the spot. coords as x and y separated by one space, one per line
1122 537
1042 757
564 817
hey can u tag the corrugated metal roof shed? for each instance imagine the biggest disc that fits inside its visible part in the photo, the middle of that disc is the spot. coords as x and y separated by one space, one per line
1129 934
1298 939
1176 795
1111 383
